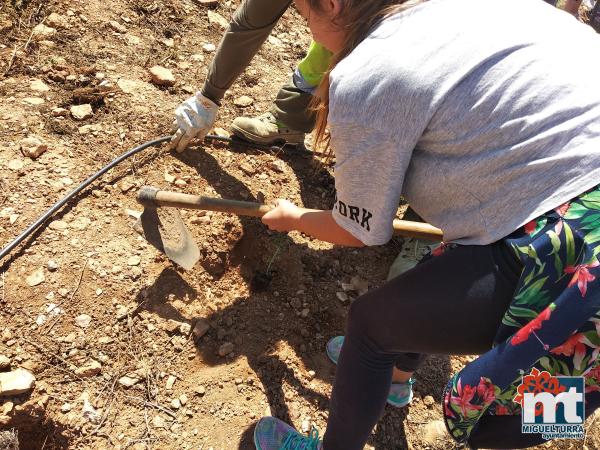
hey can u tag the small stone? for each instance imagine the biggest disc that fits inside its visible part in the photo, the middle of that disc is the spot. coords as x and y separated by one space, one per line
58 225
66 407
185 328
116 26
4 362
169 178
83 320
225 349
278 165
82 112
42 32
134 261
170 382
342 296
201 327
39 86
34 101
122 312
433 431
183 399
7 408
16 164
17 382
89 370
305 312
171 326
127 381
428 401
41 320
6 335
311 374
218 19
36 278
52 266
32 147
247 168
175 403
360 285
209 48
59 112
305 426
243 101
57 21
159 422
201 390
209 3
161 76
126 186
180 182
221 132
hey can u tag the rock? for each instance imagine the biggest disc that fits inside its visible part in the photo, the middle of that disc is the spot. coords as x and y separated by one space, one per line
126 186
225 349
170 382
305 426
134 261
58 225
171 326
161 76
82 112
311 374
32 147
433 431
247 168
185 329
209 48
52 266
243 101
175 403
4 362
122 312
159 422
7 408
83 321
183 399
34 101
209 3
42 32
428 400
200 390
215 18
278 165
59 112
17 382
116 26
342 296
89 370
39 86
89 412
169 178
16 164
36 278
201 327
128 381
65 408
57 21
221 132
6 335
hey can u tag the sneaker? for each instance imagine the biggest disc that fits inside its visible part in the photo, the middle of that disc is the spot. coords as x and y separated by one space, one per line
401 394
265 129
273 434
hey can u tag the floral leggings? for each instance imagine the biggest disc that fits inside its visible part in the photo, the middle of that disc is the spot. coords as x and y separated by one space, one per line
529 300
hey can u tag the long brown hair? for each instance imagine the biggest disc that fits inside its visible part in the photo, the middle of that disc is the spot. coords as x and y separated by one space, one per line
357 18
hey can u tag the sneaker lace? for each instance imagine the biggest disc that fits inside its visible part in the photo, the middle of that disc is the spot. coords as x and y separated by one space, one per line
296 441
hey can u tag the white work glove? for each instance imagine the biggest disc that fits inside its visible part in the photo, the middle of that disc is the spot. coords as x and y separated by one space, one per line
193 119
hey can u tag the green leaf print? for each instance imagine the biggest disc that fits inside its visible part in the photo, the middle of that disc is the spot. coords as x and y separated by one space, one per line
591 200
518 311
576 211
533 294
590 222
570 244
593 236
510 322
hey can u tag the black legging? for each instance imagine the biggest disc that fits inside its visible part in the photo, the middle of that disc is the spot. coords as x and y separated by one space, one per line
451 304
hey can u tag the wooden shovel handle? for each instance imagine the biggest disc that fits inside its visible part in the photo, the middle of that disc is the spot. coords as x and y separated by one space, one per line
153 198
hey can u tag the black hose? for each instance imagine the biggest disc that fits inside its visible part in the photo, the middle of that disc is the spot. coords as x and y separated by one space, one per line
20 238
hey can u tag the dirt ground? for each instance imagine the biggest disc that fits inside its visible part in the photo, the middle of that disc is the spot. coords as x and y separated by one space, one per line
101 318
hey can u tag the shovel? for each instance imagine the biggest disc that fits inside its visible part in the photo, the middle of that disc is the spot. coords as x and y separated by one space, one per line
165 230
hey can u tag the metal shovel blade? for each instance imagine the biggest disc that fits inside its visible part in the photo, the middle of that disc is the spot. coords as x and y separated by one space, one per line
164 229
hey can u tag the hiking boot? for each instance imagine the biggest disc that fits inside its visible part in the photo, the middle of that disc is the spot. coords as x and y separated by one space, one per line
265 129
401 394
273 434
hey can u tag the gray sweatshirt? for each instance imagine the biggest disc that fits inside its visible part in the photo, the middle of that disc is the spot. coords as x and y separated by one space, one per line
484 114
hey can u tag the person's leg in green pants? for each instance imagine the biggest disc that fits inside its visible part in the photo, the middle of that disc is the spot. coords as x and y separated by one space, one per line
290 118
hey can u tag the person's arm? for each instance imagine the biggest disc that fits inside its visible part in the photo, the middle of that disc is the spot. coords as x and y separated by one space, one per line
250 26
319 224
